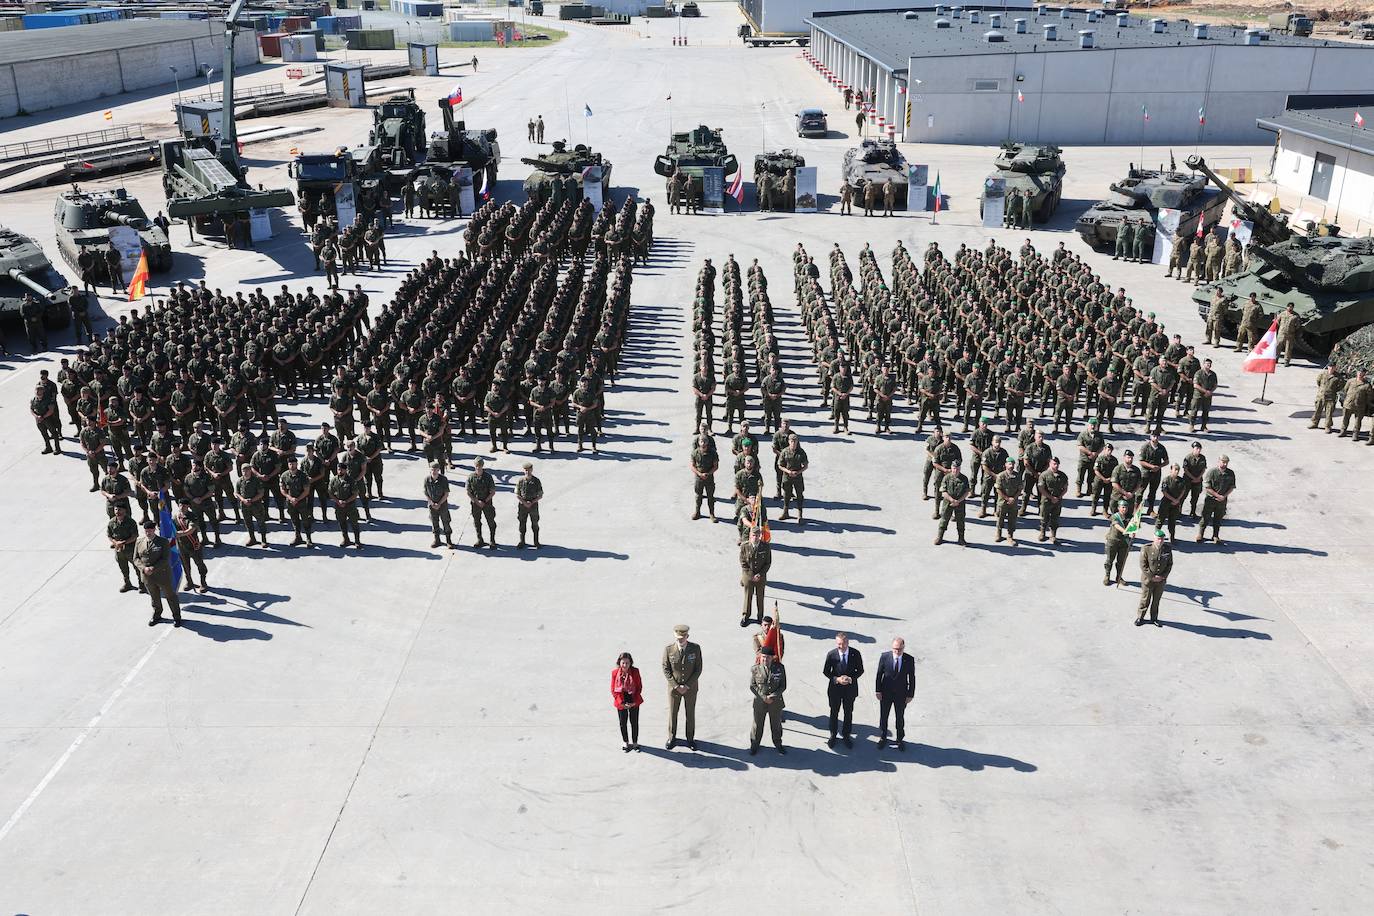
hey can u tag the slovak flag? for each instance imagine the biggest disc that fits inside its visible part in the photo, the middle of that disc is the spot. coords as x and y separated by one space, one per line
736 189
1265 356
455 97
1359 119
1145 112
1201 116
1020 97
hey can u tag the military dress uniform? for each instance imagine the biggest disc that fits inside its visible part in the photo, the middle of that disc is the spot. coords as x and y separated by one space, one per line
755 559
682 669
152 556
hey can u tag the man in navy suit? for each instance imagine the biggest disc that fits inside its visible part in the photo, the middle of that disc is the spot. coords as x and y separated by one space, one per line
895 685
843 668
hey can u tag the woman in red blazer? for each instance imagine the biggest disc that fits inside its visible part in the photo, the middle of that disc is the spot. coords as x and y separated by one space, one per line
627 691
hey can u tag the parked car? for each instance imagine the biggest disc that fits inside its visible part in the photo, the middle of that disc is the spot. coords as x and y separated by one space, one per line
811 123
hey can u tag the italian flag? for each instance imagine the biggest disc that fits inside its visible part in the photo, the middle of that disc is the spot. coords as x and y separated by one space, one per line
1265 356
937 192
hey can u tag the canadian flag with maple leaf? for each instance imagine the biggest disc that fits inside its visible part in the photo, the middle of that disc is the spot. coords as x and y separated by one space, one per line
1265 356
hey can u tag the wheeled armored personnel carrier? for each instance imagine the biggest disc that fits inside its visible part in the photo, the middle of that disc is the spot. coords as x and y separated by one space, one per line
876 161
1143 192
84 219
560 164
1035 168
697 149
26 270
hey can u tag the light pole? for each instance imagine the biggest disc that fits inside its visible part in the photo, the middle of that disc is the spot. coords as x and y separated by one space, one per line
176 77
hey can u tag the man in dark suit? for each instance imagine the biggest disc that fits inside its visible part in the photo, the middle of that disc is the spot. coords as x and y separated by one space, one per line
895 685
843 668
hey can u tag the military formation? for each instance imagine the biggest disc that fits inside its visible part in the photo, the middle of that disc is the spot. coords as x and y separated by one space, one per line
361 245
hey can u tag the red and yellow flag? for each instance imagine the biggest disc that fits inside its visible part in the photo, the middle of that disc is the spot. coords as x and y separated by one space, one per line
138 286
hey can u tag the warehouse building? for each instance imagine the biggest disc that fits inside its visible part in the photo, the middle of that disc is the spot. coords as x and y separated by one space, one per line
1084 76
54 67
1324 158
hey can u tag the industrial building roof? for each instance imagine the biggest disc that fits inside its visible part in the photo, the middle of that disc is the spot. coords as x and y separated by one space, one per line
890 39
45 44
1328 119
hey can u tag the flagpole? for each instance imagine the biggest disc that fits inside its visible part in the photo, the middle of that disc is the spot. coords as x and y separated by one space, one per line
1263 386
1345 172
567 109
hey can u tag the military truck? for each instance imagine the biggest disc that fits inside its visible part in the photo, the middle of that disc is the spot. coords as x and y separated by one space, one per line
560 164
398 131
354 177
1143 192
1295 24
26 270
202 188
1038 169
876 161
84 219
697 149
456 146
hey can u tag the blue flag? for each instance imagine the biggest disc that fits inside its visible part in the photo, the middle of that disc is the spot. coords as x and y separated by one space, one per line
168 529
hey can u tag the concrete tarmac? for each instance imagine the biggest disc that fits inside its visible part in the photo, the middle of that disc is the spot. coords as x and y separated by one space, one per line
412 730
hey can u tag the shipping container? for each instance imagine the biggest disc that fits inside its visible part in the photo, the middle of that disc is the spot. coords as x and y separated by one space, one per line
295 48
371 39
472 30
53 20
418 9
270 44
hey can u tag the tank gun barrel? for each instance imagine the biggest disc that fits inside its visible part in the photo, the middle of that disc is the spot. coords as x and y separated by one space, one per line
133 222
1267 229
20 277
547 166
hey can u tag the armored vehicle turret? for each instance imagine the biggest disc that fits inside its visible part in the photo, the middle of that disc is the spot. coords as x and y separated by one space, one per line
26 270
695 150
560 164
456 146
876 161
85 219
1037 169
777 163
1143 192
398 130
1329 280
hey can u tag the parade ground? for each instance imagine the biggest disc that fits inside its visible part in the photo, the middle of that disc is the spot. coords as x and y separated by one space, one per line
411 730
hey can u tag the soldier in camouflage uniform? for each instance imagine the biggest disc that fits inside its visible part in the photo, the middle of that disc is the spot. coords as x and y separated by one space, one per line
955 492
1054 485
1118 544
528 492
481 490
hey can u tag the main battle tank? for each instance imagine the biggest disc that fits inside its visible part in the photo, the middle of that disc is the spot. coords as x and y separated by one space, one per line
876 161
1038 169
24 268
1354 353
1329 280
777 164
83 219
560 164
1144 191
694 151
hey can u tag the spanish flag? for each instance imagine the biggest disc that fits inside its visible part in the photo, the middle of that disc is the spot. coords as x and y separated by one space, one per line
138 286
109 114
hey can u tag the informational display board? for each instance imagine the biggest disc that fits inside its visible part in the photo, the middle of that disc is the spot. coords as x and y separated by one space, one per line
593 186
343 85
467 196
1241 230
994 202
1166 227
713 189
917 187
424 59
806 189
260 224
126 241
345 203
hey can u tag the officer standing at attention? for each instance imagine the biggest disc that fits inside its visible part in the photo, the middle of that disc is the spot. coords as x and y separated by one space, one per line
152 556
528 492
436 496
123 533
955 492
755 558
1219 484
682 669
768 682
1156 562
792 463
481 489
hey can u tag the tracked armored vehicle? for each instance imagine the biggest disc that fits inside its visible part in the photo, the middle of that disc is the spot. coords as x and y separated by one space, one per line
26 270
84 219
1145 191
876 161
560 164
1038 169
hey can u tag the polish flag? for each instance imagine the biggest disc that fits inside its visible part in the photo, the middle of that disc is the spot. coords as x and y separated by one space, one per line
1265 356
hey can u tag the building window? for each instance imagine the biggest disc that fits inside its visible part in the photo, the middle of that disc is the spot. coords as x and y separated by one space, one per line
987 85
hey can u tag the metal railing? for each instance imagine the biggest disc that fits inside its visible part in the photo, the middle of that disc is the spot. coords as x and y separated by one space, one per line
240 95
68 142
